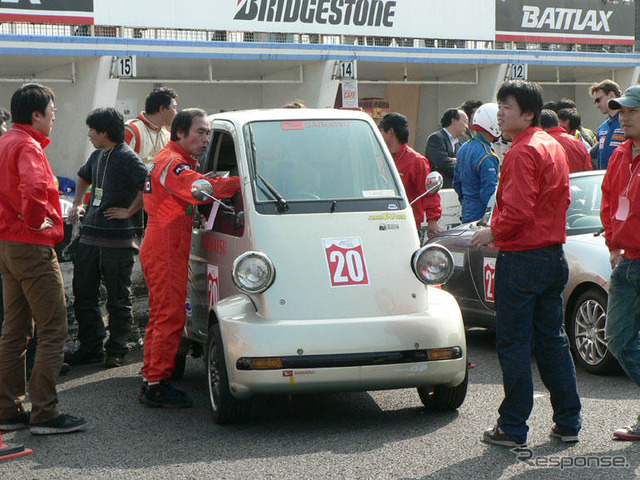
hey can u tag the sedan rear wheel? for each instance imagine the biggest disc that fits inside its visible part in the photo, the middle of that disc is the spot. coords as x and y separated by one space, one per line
226 408
444 398
585 329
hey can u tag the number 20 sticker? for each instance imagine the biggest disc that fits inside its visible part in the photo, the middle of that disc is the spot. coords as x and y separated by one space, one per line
345 259
489 272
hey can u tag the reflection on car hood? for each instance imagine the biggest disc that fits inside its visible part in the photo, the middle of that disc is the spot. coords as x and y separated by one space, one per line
588 238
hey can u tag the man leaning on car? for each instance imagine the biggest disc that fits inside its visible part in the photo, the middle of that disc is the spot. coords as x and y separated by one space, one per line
528 227
620 214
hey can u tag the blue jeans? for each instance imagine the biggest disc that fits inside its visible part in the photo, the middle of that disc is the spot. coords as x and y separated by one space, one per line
529 309
623 316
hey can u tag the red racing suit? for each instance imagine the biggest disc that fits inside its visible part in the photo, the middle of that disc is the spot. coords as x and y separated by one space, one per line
413 169
577 155
165 252
533 194
617 182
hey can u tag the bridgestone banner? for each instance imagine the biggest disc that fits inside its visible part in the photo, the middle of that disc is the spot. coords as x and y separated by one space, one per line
75 12
451 19
565 21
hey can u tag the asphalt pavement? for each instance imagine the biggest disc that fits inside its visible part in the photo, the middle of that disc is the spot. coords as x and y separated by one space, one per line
368 435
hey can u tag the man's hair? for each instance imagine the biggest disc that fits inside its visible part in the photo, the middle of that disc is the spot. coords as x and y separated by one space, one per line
449 116
549 106
159 97
399 123
183 120
548 118
28 99
564 103
528 96
5 116
107 120
606 86
469 106
295 104
572 115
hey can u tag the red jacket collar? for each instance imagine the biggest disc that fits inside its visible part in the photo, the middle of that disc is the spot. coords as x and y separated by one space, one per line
527 132
557 129
177 148
144 120
37 135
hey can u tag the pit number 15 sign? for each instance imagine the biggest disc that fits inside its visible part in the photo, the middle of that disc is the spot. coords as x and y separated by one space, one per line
126 66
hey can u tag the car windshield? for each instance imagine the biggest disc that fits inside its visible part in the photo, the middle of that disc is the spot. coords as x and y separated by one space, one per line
583 215
310 160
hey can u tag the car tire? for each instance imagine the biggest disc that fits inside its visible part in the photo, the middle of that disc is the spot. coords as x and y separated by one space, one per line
225 407
585 330
443 398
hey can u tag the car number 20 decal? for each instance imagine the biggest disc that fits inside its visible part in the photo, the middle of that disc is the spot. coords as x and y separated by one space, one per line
489 272
346 262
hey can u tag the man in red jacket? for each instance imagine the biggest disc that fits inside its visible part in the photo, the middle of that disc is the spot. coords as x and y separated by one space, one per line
165 251
577 154
413 169
30 227
620 214
528 226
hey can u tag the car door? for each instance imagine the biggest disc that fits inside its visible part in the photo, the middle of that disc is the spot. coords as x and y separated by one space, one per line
217 233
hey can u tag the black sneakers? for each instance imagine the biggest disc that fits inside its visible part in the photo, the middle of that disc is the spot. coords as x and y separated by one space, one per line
165 395
19 422
143 390
62 424
82 357
113 361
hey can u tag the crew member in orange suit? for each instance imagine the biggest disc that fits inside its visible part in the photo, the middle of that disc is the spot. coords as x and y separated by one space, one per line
165 251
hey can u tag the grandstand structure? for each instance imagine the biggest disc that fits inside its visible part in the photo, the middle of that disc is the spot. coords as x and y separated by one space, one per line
422 57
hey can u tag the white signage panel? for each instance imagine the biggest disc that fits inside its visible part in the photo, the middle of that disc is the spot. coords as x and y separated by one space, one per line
403 18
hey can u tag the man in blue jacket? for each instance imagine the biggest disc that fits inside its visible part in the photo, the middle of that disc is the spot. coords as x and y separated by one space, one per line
610 133
476 172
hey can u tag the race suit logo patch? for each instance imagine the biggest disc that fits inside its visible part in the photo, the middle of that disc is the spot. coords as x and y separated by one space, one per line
489 272
147 185
346 262
181 168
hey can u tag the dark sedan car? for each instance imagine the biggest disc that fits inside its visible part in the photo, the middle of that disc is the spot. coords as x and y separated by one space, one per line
585 295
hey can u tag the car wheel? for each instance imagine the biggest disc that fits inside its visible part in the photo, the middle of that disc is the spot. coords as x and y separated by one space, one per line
444 398
226 408
585 329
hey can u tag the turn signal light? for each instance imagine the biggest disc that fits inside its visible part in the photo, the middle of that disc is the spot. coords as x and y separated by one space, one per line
266 364
442 354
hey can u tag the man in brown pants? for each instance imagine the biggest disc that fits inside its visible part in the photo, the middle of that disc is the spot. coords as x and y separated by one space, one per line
30 226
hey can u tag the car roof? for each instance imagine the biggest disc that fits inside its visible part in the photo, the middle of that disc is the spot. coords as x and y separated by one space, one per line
244 116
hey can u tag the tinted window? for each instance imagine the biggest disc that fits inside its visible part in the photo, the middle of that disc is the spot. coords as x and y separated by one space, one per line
319 160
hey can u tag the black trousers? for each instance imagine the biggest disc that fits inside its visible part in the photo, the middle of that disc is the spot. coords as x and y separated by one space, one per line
113 267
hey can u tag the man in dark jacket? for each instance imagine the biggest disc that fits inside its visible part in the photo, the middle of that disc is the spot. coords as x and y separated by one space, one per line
442 145
110 236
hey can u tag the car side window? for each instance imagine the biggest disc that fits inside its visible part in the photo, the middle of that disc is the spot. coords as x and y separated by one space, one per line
222 160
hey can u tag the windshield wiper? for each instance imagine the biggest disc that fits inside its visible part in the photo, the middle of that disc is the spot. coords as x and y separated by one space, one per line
281 203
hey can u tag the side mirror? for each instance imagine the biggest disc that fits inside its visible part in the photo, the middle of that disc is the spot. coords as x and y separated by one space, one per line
434 182
202 190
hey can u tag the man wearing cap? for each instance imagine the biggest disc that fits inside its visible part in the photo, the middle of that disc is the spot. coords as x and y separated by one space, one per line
620 213
413 169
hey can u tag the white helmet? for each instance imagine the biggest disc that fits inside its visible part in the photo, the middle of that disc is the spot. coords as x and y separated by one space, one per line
486 117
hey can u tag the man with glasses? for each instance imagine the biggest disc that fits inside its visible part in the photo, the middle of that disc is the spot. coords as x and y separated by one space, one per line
610 134
30 227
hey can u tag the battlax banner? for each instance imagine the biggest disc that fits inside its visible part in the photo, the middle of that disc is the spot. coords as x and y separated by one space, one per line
73 12
565 21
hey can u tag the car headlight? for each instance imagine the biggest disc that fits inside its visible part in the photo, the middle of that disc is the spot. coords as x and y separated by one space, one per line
253 272
432 264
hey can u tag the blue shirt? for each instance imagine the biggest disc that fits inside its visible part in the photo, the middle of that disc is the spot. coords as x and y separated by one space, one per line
475 177
610 136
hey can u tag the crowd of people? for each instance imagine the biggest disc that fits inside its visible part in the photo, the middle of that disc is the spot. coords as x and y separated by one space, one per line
150 162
